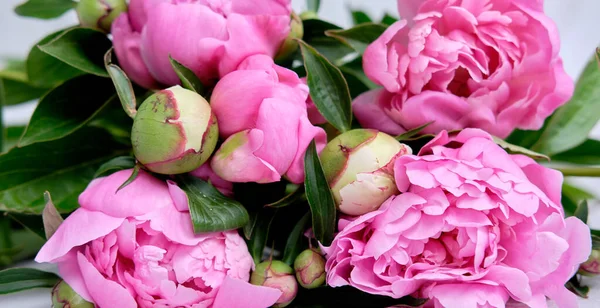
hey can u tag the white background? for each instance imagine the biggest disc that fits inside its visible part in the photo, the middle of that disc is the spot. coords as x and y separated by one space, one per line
577 21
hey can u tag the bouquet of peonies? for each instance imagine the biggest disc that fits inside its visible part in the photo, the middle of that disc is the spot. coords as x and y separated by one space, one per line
203 153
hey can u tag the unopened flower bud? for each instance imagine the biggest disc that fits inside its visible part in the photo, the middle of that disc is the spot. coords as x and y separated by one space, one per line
99 14
174 131
278 275
591 267
63 296
310 269
290 45
357 165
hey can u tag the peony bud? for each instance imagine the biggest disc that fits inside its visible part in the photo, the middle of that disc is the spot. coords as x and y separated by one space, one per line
356 166
99 14
174 131
278 275
290 44
310 269
64 296
591 267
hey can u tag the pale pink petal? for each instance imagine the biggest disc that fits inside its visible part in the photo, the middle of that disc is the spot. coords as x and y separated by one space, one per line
235 293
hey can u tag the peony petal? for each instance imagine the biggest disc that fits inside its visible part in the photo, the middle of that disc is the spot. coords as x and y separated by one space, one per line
235 293
368 112
180 198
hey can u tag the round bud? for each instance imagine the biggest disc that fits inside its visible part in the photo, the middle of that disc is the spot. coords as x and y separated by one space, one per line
290 45
591 267
278 275
357 165
99 14
174 131
310 269
63 296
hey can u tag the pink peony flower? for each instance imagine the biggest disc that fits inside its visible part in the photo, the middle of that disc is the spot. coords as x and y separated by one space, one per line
465 64
136 248
210 37
472 227
261 110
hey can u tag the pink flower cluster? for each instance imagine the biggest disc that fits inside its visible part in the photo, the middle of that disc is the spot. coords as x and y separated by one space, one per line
472 227
464 64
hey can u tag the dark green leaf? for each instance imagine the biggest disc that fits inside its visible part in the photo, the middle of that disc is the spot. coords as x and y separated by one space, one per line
359 17
131 178
114 165
575 286
355 68
20 92
122 85
19 279
515 149
413 132
50 217
295 241
67 108
31 223
189 80
261 221
358 37
328 88
314 35
595 242
582 211
64 167
296 196
112 119
588 153
313 5
349 297
44 70
45 9
388 19
7 249
319 197
209 209
82 48
2 132
26 244
571 124
572 197
12 136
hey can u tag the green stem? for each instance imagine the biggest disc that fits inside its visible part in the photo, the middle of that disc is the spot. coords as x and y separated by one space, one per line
2 131
579 171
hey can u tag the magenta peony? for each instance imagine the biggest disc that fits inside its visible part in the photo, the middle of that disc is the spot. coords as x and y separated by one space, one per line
472 227
465 64
137 249
261 110
209 37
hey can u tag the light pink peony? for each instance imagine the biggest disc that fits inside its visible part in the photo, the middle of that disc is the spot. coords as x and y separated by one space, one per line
489 64
472 227
261 109
210 37
136 248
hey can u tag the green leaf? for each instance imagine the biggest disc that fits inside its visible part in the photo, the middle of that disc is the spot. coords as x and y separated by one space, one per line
295 241
20 92
515 149
328 88
82 48
358 37
44 70
50 216
572 197
31 223
575 286
189 80
350 297
313 5
292 198
582 211
571 124
19 279
12 136
67 108
314 35
588 153
131 178
210 210
413 132
122 85
319 197
45 9
388 19
64 167
261 221
359 17
2 132
114 165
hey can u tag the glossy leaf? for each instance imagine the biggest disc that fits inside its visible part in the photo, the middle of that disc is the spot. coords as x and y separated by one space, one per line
2 132
131 178
587 153
319 197
17 88
413 132
19 279
122 85
43 70
295 241
388 19
12 136
328 88
582 211
358 37
571 124
114 165
50 216
292 198
313 5
360 17
350 297
81 48
189 80
576 287
210 210
261 221
314 35
63 167
31 223
515 149
45 9
572 197
67 108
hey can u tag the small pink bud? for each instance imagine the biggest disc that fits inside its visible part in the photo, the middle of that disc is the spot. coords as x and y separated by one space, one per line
310 269
591 267
63 296
278 275
99 14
